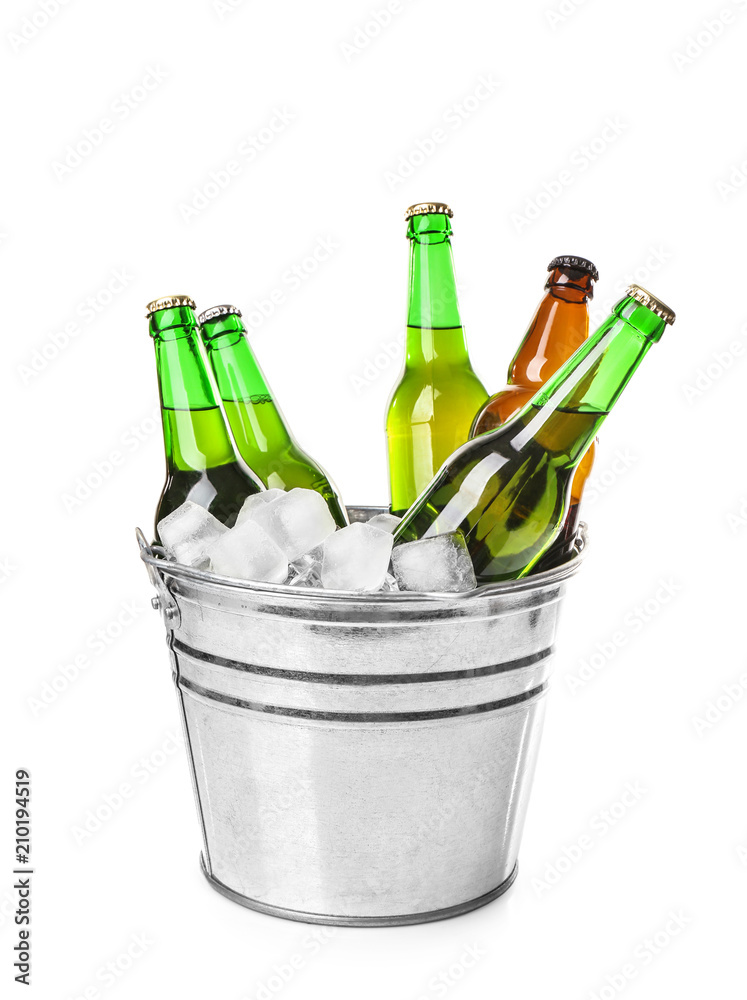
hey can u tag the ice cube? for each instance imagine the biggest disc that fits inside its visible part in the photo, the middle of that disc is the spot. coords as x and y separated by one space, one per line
356 558
390 585
441 564
307 571
247 552
297 521
187 532
304 580
257 499
384 522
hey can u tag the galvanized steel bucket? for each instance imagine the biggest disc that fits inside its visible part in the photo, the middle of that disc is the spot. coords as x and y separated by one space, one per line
359 759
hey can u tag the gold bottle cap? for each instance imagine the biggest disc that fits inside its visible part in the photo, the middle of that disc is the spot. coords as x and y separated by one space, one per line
216 311
428 208
169 302
657 307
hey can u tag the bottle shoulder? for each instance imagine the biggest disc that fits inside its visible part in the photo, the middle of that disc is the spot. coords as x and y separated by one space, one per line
501 407
558 329
421 397
444 376
220 489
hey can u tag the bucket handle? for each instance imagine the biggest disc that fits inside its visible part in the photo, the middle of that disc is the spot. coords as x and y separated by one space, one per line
164 602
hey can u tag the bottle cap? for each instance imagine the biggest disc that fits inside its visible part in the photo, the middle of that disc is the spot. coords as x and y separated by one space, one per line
428 208
650 301
215 311
168 302
581 263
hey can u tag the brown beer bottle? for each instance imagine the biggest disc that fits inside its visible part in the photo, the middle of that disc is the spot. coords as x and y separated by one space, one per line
559 327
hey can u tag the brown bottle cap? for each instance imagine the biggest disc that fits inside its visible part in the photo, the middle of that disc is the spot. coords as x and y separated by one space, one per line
428 208
580 263
214 312
651 302
169 302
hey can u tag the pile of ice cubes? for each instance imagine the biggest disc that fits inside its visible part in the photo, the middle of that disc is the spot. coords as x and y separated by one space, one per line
291 538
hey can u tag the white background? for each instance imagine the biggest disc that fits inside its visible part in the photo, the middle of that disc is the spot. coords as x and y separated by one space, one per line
647 205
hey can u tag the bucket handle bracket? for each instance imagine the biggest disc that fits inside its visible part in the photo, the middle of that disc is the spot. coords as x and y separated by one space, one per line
164 602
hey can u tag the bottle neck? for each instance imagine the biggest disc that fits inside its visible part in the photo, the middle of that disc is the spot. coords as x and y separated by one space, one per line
559 327
433 319
576 400
195 435
257 425
237 374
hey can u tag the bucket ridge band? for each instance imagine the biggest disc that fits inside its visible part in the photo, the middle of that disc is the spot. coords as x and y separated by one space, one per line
364 680
303 713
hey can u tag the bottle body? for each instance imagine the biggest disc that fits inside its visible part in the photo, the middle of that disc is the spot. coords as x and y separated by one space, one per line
509 496
429 414
209 476
505 406
201 462
432 406
558 328
509 490
259 430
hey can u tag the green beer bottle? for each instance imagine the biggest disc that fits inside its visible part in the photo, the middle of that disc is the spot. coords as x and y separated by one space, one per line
201 464
508 490
433 404
262 437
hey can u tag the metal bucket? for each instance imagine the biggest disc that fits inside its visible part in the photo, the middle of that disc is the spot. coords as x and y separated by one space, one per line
360 759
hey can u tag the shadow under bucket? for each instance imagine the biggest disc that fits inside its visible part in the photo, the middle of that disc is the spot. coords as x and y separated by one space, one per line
360 759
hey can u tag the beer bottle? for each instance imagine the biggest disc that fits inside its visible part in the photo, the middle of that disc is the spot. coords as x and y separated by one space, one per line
508 490
262 437
559 327
433 404
201 464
